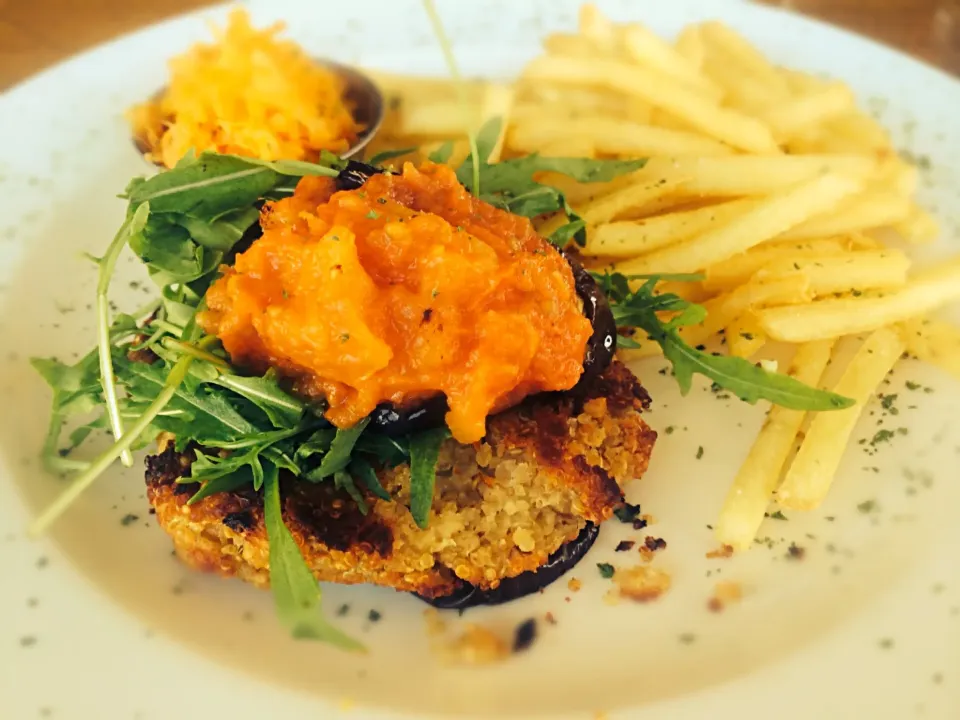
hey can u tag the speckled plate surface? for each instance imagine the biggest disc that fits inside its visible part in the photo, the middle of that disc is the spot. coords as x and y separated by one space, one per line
100 622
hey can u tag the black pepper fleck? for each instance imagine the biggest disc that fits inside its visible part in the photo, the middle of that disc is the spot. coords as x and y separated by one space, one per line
525 635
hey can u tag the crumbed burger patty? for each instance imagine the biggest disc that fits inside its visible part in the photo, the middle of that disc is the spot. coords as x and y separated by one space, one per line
500 508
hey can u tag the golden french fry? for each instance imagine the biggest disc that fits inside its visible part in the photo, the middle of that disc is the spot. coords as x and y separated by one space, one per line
833 318
626 239
872 209
761 293
646 48
615 137
771 217
572 45
496 103
801 83
732 44
728 126
596 26
742 175
812 471
752 490
568 147
788 120
578 192
848 272
919 227
636 197
441 118
933 341
744 336
740 268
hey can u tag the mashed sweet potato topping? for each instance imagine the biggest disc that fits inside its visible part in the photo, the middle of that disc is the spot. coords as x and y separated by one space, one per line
404 288
248 93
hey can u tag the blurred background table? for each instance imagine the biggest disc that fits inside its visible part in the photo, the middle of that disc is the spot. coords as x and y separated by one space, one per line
37 33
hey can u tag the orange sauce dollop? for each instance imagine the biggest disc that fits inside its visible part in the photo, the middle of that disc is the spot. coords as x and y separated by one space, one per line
404 288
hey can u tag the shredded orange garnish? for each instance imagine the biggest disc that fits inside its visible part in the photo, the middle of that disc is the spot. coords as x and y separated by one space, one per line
249 93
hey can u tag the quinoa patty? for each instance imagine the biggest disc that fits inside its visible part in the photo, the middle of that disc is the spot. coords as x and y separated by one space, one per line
500 507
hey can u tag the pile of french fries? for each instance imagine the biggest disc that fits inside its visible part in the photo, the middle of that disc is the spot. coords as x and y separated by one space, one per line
790 200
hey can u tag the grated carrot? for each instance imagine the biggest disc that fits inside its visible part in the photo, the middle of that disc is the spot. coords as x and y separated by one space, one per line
248 93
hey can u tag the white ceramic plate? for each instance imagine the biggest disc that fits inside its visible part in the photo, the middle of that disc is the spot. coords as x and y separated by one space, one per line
99 621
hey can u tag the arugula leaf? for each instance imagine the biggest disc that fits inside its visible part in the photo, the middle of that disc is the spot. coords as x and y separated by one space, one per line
388 450
343 481
510 184
225 483
360 468
338 456
424 452
442 153
281 408
295 590
316 444
487 138
382 157
747 381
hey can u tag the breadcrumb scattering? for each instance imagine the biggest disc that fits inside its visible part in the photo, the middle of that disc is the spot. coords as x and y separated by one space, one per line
248 93
642 583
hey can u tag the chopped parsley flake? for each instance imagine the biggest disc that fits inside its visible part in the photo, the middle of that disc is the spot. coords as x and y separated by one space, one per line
606 570
778 515
886 643
627 513
372 215
881 437
129 519
699 452
374 616
913 385
867 506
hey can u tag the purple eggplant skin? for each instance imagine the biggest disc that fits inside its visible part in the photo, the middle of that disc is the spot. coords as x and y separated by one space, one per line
355 174
569 554
393 421
596 308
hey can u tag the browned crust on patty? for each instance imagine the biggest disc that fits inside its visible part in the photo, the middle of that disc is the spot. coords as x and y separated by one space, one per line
501 506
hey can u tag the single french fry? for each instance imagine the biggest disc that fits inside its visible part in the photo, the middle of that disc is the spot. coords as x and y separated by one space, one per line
565 147
596 26
762 293
733 128
636 198
741 175
832 318
736 46
790 119
747 500
572 45
626 239
933 341
919 227
872 209
740 268
441 118
497 101
851 272
771 217
744 336
812 471
615 137
638 111
802 83
578 192
646 48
